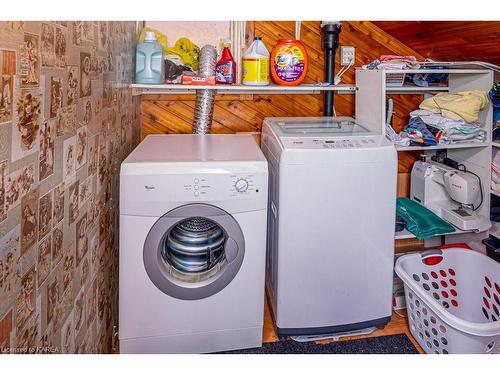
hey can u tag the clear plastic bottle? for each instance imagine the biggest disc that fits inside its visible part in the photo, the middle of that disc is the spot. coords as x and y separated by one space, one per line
149 64
256 64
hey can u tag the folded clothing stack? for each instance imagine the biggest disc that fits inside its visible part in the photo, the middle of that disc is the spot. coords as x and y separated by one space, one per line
463 105
447 118
446 130
420 221
393 62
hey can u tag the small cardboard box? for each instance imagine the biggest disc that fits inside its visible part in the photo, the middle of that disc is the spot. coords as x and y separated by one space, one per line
200 81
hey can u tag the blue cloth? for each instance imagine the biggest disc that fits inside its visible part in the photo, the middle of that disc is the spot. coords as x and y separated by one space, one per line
421 221
426 80
418 132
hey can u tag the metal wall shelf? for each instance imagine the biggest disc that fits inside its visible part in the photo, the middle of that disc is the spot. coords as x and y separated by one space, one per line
141 89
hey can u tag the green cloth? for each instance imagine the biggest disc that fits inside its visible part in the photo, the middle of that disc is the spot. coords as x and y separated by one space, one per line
421 221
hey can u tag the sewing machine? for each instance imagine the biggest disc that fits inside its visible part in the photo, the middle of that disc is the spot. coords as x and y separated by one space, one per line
450 193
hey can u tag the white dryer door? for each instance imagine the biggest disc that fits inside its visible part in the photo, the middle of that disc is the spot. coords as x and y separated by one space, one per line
194 251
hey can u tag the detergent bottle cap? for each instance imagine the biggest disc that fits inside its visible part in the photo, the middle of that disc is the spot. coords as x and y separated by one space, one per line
150 37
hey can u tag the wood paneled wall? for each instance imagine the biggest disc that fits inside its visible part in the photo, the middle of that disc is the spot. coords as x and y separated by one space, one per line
449 40
245 113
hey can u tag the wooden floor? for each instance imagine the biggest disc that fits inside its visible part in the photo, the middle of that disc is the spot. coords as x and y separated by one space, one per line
398 324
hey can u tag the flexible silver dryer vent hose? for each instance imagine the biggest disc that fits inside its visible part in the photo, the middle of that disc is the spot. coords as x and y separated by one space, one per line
204 109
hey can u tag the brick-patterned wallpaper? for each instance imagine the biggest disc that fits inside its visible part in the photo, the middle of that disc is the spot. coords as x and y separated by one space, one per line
67 120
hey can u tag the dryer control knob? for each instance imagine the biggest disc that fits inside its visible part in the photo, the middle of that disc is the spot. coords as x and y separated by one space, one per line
241 185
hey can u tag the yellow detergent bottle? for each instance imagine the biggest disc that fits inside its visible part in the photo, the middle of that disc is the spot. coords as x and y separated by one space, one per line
256 64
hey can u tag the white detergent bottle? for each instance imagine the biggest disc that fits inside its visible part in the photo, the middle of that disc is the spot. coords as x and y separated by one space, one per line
256 64
149 64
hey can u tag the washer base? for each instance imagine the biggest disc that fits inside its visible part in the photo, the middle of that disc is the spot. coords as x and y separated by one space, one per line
309 331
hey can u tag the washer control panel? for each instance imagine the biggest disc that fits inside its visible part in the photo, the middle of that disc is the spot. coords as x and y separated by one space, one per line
345 143
333 142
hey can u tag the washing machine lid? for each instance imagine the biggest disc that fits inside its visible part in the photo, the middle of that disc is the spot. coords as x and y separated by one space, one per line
188 152
314 127
328 140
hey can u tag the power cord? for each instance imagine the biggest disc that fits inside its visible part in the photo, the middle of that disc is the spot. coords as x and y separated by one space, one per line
338 76
399 314
463 168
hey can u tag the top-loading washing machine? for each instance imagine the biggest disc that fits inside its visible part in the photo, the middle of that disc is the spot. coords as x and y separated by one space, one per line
330 249
193 211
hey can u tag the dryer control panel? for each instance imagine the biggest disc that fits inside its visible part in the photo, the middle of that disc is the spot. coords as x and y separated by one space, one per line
157 194
206 187
199 186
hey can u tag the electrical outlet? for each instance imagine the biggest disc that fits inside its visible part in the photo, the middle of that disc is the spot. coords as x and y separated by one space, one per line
347 55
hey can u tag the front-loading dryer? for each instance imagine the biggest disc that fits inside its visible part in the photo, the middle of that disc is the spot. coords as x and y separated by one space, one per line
193 212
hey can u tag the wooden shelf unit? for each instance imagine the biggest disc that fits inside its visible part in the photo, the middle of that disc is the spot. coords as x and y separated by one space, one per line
371 113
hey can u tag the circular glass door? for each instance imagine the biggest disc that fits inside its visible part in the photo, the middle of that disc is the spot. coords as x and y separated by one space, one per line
194 251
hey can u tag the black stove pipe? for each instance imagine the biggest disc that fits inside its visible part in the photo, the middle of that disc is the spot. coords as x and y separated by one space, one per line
330 32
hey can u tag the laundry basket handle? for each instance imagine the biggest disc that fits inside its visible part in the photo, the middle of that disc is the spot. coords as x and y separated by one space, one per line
432 257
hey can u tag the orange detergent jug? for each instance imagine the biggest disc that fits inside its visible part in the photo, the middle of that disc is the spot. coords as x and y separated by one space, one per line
289 62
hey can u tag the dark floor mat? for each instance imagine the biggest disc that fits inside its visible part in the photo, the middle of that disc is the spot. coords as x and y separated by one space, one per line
393 344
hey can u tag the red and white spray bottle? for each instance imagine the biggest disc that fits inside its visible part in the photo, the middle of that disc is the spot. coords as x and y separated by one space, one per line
225 70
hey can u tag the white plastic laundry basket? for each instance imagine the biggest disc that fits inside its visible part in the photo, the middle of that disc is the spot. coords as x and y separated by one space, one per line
453 300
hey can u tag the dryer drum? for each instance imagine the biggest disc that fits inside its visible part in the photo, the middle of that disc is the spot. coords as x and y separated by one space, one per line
194 245
189 248
197 224
196 264
193 240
